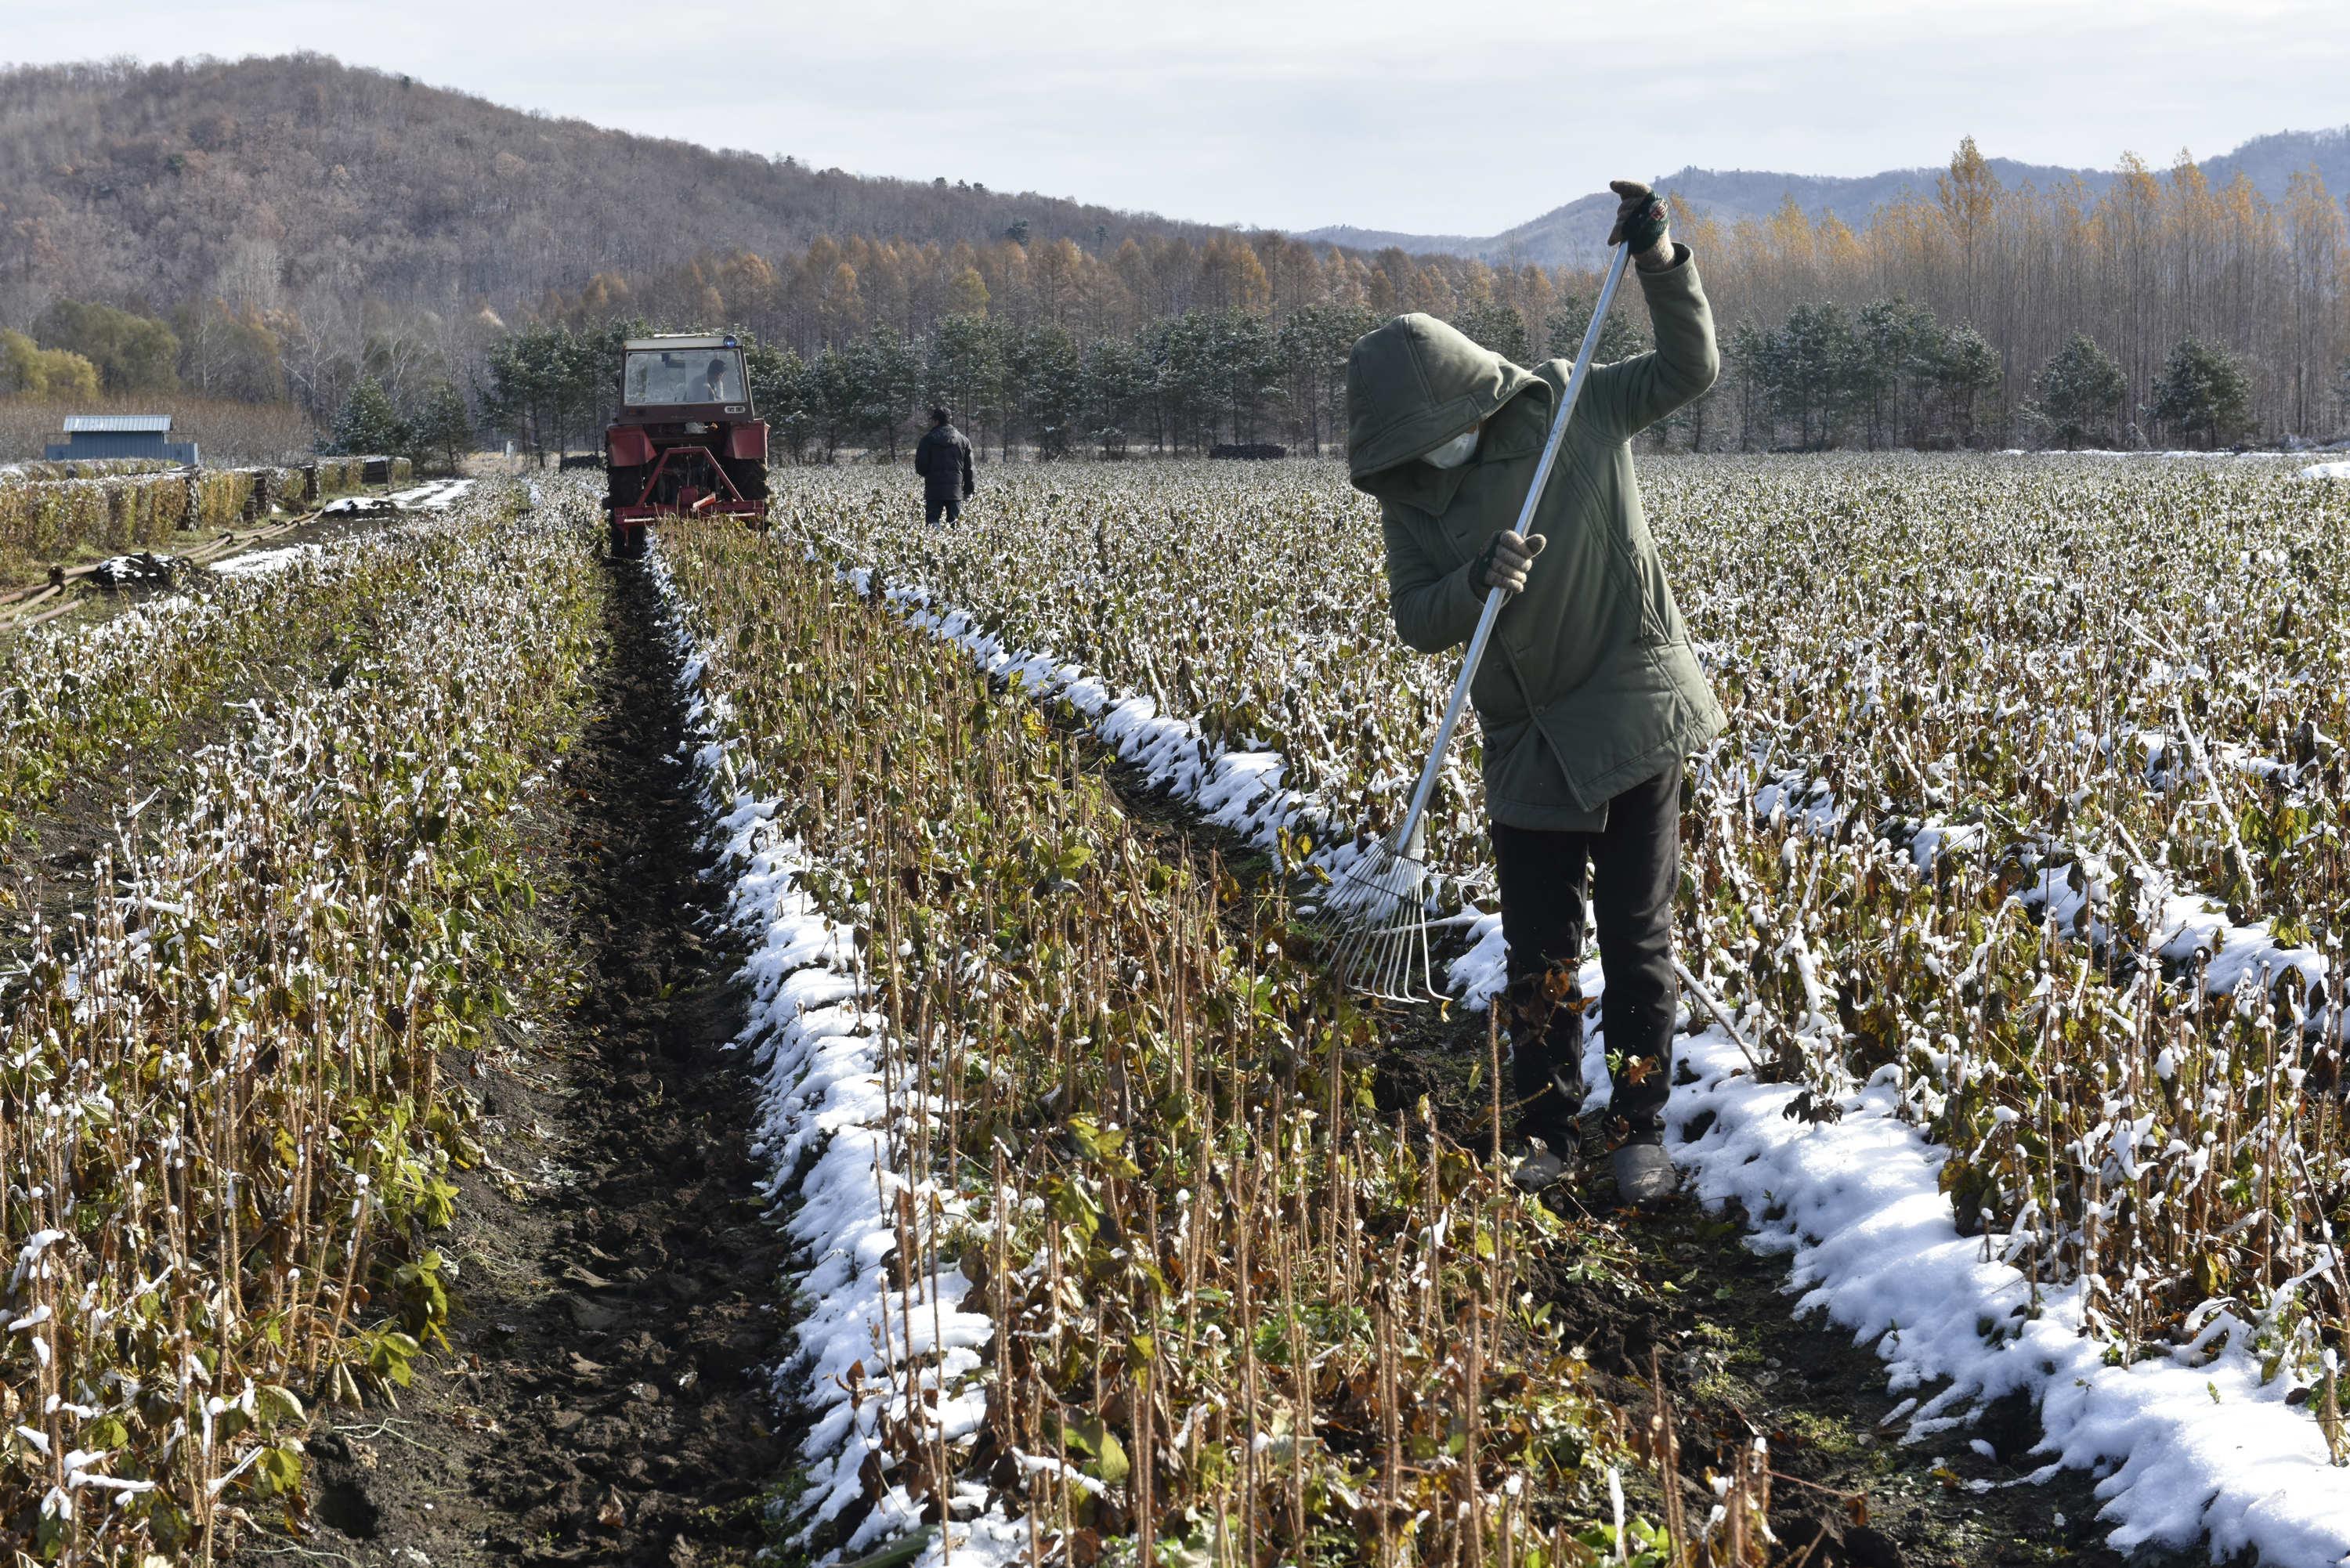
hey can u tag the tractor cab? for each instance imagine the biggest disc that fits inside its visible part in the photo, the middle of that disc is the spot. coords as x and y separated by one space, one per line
687 440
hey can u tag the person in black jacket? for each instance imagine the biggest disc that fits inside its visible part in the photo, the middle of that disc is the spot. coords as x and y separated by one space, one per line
943 460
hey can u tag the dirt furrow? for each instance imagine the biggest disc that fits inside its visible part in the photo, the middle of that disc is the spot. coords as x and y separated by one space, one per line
604 1397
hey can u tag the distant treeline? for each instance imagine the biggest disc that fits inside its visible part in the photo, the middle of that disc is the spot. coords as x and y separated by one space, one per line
1178 384
1889 374
2175 282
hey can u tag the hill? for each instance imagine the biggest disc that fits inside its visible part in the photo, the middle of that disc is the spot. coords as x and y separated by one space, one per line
156 184
1568 235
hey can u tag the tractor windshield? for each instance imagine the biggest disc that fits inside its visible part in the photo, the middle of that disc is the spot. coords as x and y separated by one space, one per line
683 376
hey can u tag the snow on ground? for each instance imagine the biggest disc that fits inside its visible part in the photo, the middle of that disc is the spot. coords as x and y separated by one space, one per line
824 1126
2326 471
2189 927
436 495
263 562
1869 1238
2186 1449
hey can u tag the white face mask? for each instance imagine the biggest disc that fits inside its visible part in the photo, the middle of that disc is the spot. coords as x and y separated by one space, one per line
1454 452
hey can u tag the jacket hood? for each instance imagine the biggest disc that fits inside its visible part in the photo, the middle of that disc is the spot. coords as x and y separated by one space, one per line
1412 385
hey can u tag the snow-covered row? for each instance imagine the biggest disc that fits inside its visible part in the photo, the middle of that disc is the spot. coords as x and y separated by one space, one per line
2186 1448
433 495
823 1125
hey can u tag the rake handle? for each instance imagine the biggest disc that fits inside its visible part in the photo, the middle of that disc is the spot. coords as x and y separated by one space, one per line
1494 597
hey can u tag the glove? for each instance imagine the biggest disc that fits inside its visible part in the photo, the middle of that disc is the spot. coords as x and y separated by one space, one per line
1505 560
969 490
1639 217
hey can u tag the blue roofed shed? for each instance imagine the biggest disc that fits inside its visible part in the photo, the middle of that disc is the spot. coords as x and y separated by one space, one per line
89 436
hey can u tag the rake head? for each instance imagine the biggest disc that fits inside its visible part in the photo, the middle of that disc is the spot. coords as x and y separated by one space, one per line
1374 918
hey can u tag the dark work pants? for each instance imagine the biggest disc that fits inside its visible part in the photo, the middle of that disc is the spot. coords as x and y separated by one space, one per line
1633 870
934 504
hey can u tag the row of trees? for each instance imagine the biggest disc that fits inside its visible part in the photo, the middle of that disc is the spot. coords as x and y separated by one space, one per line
435 430
1889 374
1937 323
1178 384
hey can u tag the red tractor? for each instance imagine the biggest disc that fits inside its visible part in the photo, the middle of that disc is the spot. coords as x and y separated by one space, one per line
686 442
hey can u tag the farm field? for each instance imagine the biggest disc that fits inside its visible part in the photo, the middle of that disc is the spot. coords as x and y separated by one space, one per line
2019 865
803 1049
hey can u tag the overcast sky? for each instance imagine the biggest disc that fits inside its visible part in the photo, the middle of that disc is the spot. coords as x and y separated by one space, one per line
1438 117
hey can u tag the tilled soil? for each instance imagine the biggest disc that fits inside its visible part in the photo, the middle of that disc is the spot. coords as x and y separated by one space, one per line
604 1398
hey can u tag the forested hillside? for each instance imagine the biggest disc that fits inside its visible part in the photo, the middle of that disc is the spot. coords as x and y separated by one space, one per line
302 181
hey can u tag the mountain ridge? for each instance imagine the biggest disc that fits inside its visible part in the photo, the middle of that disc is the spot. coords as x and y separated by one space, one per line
1570 234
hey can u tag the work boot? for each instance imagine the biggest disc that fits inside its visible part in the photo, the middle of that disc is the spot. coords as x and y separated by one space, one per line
1644 1175
1533 1167
1547 1089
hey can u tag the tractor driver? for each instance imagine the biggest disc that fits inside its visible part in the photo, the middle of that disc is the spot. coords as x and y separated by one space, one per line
713 388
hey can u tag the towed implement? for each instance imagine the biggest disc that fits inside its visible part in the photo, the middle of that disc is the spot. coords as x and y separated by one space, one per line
687 441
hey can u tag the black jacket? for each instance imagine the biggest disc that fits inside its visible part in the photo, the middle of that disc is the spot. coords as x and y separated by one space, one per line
943 460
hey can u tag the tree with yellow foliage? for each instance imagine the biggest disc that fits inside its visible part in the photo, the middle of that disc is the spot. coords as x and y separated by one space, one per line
33 371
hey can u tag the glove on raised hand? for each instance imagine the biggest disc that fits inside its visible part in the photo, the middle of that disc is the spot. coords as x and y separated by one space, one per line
1639 217
1506 559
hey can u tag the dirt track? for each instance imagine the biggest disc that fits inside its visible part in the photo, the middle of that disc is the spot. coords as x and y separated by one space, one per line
605 1401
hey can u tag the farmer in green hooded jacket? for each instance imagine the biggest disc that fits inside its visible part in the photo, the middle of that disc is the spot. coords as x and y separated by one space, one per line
1589 696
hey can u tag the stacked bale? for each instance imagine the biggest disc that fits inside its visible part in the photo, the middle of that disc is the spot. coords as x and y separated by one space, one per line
44 520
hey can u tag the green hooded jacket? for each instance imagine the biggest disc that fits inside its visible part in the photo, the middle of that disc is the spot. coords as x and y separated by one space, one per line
1589 686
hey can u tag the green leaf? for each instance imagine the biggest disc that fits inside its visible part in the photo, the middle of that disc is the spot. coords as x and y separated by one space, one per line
1093 1439
279 1469
277 1404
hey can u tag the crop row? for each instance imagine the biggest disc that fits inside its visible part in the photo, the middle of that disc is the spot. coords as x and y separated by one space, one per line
225 1138
82 700
1072 1081
2031 796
